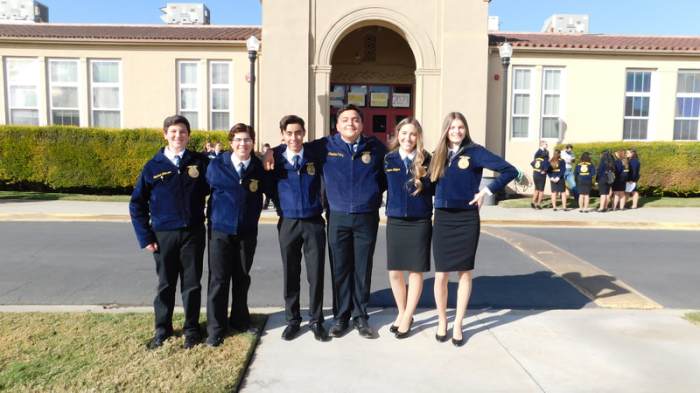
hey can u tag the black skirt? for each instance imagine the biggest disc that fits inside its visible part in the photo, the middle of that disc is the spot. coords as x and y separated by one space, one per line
539 180
408 244
584 187
557 186
455 239
603 187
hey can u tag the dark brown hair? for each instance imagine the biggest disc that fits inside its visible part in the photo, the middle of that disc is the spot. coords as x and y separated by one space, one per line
240 127
349 107
176 119
291 119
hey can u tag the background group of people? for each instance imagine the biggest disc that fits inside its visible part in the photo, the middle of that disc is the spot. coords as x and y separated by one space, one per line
616 177
168 214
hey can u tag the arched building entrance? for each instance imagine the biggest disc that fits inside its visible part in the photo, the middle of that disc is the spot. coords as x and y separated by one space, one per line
373 68
416 57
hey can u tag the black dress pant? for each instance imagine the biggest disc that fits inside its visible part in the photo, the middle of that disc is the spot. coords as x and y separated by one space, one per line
309 234
352 238
230 260
180 254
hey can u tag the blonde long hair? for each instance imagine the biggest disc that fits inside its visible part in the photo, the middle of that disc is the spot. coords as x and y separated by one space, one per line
417 169
437 164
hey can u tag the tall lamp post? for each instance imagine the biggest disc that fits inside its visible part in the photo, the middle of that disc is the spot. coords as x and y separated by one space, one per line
253 45
505 51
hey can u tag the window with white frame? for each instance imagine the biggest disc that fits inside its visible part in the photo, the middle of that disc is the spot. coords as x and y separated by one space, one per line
220 94
63 87
520 112
685 125
188 91
22 76
551 103
637 99
105 93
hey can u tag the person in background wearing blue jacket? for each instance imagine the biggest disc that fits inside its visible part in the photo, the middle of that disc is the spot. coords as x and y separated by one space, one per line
633 178
540 167
297 195
237 182
457 167
622 171
557 180
584 175
167 212
409 209
353 176
605 177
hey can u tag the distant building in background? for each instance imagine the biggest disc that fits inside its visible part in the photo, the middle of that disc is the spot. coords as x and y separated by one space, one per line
494 23
566 23
23 11
185 14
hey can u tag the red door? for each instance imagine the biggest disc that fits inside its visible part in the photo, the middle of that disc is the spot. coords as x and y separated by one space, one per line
383 106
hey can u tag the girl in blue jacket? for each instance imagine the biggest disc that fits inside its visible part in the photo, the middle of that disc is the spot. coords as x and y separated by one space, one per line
456 169
409 209
557 169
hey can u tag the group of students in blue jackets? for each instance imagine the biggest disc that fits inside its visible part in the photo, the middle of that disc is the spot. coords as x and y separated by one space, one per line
344 174
616 177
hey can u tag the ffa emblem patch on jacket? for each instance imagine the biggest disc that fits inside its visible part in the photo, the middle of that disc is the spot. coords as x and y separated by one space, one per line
310 168
193 171
584 168
366 157
463 162
253 186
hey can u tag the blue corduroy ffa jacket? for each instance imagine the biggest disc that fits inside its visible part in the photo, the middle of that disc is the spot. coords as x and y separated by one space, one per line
585 171
166 198
297 193
354 182
635 166
400 187
235 203
460 182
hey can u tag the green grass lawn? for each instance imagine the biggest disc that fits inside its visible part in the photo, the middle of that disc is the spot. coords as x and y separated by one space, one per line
53 196
643 202
693 317
107 353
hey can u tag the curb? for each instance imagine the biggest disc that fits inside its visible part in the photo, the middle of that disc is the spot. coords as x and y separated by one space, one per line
58 217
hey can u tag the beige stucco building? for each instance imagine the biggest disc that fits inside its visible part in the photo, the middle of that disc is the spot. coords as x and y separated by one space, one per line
393 58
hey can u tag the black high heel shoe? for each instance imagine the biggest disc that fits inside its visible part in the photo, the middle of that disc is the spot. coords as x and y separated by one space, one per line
458 343
399 334
395 329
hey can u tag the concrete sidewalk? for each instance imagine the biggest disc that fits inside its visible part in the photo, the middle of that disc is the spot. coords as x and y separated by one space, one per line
568 351
644 218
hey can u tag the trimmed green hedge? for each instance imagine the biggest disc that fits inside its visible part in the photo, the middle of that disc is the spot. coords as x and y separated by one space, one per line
72 159
668 168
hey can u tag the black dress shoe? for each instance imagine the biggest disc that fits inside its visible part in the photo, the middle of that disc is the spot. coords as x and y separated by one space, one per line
394 329
319 331
157 341
399 334
290 331
441 339
458 343
191 341
339 329
214 341
363 328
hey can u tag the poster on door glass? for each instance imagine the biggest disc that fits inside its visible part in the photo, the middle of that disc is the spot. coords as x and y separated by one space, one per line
379 100
357 99
401 100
